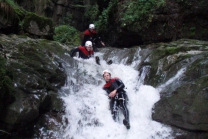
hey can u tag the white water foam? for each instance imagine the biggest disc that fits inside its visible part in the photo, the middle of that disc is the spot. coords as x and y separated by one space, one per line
88 113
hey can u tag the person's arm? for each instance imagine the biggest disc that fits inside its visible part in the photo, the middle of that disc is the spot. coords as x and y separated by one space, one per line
99 39
73 52
108 92
118 85
103 44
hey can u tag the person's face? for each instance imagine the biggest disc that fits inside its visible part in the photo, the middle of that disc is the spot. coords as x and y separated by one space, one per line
107 76
89 48
91 29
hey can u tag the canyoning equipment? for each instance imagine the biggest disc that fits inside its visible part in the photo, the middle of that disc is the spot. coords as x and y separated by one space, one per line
119 101
91 26
106 71
97 60
109 62
88 43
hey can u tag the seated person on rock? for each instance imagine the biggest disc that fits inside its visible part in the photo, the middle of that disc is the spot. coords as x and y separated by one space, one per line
91 35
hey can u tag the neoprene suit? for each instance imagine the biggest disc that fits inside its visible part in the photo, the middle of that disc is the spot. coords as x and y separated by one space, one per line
119 100
83 53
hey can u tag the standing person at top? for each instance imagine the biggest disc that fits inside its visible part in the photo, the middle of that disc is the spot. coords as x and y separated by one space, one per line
85 51
115 89
91 35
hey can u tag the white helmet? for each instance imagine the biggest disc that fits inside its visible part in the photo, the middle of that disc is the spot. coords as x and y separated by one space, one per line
88 43
106 71
91 26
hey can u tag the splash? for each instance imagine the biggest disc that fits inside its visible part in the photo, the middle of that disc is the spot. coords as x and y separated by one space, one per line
87 106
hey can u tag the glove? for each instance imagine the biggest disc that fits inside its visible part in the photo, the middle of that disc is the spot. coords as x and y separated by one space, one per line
97 60
109 62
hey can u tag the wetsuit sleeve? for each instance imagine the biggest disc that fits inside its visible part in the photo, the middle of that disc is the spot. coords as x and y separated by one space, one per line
73 52
118 85
108 91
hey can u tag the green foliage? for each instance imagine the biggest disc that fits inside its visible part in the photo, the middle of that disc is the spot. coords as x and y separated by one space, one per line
67 35
172 50
91 15
10 10
67 20
103 21
18 10
132 14
138 13
192 31
40 20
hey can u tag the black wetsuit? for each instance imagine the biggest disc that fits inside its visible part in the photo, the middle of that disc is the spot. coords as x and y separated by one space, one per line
83 53
119 100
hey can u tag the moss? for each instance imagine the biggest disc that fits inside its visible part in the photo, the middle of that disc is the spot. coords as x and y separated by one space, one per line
6 84
18 10
186 56
11 11
40 20
172 50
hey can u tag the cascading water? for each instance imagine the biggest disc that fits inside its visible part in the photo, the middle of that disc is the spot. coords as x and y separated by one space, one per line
87 105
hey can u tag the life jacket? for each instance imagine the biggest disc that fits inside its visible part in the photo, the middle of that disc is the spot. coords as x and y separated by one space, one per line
85 52
90 33
108 84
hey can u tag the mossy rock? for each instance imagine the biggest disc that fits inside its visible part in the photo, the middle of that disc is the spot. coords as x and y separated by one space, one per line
11 16
38 25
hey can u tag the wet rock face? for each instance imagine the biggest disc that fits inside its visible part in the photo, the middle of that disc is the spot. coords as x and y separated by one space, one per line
14 19
183 103
37 74
38 26
171 21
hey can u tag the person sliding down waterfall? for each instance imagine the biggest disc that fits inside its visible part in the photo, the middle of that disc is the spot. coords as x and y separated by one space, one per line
115 89
86 52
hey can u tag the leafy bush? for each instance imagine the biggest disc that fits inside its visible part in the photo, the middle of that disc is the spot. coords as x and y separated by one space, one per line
132 14
91 15
67 35
104 19
138 13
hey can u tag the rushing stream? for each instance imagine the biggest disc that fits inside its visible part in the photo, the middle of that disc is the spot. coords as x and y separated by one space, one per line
87 105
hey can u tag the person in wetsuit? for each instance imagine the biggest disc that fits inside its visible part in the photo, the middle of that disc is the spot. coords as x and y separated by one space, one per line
85 51
115 89
90 34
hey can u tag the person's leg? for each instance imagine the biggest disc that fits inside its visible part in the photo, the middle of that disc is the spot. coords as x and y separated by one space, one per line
122 104
114 109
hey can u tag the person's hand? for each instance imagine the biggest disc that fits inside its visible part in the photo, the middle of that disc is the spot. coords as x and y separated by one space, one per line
103 43
112 94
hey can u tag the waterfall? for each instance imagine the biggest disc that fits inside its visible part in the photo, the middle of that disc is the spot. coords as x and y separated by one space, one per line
88 114
87 105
